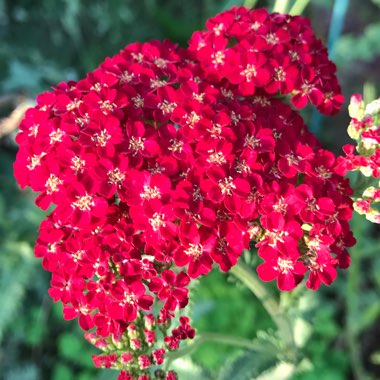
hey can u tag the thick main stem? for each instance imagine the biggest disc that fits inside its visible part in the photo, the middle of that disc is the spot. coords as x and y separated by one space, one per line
245 274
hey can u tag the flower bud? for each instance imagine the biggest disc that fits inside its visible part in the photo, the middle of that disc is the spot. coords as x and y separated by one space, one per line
144 377
104 361
171 375
124 375
158 356
356 107
126 358
150 337
135 344
149 321
144 361
159 374
132 331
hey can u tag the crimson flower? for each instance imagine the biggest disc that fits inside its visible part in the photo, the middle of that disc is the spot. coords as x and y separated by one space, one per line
171 288
128 300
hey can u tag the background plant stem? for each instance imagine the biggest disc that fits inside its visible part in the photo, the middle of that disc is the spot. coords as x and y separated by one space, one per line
338 17
226 339
298 7
281 6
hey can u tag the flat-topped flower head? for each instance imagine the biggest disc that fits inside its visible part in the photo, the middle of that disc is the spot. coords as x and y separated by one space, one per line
165 162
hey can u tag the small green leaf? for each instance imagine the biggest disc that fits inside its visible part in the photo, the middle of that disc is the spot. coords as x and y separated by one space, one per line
375 358
73 348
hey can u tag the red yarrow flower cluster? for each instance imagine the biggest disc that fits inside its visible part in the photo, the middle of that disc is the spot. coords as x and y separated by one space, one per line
277 53
164 162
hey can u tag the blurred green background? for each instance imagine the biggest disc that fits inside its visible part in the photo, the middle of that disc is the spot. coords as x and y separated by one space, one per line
44 42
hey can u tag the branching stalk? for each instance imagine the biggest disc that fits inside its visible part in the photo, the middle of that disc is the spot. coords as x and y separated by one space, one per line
245 274
209 337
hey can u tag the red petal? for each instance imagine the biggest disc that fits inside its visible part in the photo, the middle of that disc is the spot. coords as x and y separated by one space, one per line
267 272
86 322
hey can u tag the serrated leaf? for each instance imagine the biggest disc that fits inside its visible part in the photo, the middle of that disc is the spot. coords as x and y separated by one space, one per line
268 342
15 262
282 371
246 366
188 370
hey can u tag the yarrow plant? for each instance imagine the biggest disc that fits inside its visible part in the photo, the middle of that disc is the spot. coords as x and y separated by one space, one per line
165 162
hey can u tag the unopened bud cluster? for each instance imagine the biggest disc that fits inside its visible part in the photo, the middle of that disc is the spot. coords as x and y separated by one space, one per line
365 129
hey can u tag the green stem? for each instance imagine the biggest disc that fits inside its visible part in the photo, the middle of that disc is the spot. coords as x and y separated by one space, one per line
184 351
209 337
250 3
281 6
245 274
212 337
369 92
352 304
298 7
227 339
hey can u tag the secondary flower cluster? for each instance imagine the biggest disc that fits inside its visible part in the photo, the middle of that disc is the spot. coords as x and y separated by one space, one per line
133 351
365 129
275 52
163 162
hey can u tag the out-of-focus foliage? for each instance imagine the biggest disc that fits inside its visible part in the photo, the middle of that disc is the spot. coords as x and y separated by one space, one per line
363 47
48 41
44 42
